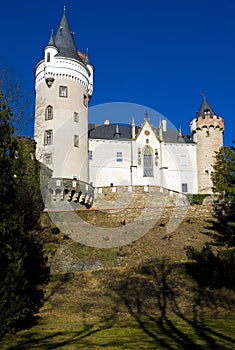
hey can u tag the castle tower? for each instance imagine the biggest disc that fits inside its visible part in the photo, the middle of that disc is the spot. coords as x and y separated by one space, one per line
64 86
207 130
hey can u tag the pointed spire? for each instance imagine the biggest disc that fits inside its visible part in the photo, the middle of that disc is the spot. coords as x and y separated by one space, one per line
179 136
51 40
205 108
64 40
87 58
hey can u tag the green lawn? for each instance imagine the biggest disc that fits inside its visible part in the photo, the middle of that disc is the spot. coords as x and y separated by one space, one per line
153 306
160 334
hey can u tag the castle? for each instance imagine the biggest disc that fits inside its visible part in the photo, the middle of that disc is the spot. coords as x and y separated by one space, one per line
93 156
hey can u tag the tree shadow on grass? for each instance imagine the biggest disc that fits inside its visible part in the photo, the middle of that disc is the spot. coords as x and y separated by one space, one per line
163 307
155 299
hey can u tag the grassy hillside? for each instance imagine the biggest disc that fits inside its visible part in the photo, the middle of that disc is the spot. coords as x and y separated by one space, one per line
137 296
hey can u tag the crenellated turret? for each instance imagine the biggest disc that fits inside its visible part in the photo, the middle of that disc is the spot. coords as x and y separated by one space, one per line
207 130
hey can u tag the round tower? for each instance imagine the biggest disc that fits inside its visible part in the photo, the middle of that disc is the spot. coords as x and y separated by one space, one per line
207 130
64 86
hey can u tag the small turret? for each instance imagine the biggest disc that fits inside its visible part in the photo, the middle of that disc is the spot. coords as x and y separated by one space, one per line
207 130
90 67
206 118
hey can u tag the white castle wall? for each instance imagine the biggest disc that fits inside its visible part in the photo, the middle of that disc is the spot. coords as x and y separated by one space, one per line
179 166
104 168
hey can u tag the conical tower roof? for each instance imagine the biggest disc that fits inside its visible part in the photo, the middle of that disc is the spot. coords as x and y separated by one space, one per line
205 107
51 41
87 58
64 40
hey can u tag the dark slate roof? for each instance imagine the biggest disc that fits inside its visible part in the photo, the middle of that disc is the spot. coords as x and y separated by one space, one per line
110 131
51 41
87 58
64 40
173 136
124 132
205 107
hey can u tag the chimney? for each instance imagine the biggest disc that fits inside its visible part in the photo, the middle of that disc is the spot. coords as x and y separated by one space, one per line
164 125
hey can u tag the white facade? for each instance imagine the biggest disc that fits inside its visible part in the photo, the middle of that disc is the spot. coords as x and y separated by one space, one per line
143 160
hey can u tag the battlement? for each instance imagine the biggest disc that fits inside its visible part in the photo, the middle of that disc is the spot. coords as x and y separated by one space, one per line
63 68
208 120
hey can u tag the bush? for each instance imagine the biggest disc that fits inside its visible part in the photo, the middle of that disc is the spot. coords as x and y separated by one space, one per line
210 269
55 230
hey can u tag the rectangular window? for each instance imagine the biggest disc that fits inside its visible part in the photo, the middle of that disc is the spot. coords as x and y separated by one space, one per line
76 117
90 155
85 100
48 137
119 157
48 57
63 91
76 141
47 159
184 187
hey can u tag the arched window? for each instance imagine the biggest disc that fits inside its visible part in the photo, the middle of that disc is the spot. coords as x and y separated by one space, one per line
49 113
148 161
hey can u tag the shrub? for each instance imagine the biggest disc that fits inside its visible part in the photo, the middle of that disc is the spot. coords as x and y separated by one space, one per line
214 270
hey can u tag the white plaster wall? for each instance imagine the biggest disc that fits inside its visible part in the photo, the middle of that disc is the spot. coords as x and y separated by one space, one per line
179 166
103 168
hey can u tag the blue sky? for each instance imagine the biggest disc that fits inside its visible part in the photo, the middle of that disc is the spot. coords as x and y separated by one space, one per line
160 54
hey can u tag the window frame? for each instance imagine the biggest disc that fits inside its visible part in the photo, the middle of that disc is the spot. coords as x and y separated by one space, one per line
184 187
49 115
46 157
119 156
76 141
63 91
90 155
76 117
48 137
147 162
85 100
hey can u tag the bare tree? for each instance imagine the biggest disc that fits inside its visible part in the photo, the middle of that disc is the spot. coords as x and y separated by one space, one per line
19 100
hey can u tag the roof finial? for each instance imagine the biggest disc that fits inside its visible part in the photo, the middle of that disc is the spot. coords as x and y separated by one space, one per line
51 32
64 9
146 116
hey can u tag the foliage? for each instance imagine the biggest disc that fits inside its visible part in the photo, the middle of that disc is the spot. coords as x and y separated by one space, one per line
196 198
55 230
213 270
19 100
22 265
223 178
